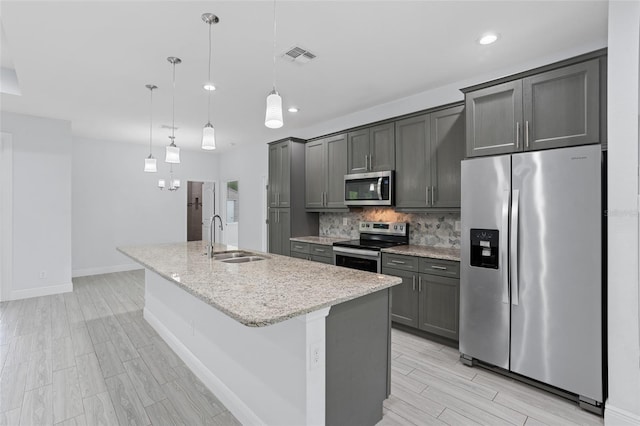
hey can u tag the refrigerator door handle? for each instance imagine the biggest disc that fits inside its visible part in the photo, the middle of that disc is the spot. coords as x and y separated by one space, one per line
504 242
515 217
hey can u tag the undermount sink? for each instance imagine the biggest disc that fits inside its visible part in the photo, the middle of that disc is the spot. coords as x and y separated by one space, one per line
236 256
230 255
244 259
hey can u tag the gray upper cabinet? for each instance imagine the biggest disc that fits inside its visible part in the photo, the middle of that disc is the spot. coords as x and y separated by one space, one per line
326 165
447 151
279 174
561 107
315 174
494 116
552 109
429 149
286 195
412 157
371 149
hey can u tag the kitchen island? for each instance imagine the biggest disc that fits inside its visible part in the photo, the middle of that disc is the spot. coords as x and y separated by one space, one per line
280 341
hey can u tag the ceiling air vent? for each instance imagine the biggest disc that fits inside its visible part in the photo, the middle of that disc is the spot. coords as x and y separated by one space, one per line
299 55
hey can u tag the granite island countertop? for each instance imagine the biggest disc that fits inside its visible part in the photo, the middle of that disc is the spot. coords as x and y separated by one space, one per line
425 251
325 241
260 293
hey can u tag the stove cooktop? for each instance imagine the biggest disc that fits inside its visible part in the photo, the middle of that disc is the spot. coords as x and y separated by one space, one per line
378 235
368 244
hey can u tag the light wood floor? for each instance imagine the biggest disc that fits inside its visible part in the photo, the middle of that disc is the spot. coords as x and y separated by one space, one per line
88 357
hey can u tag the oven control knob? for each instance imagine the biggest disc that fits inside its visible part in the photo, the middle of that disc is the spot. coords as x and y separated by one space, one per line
395 227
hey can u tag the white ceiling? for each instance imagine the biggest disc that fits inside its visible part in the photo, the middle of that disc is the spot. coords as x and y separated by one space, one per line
88 62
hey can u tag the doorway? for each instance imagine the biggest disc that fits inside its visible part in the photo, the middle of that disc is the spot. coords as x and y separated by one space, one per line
201 205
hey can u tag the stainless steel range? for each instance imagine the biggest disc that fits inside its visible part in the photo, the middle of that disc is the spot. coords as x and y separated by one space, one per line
364 254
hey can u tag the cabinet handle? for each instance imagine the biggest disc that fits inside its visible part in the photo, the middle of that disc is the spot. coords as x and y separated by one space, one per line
400 262
325 198
371 162
366 162
319 250
526 134
517 134
441 268
427 195
419 284
414 283
433 195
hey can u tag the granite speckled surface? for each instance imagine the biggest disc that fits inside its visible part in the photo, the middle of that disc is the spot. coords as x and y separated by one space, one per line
260 293
426 251
326 241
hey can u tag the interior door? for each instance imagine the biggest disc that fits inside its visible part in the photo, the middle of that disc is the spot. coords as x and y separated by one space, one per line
556 319
484 291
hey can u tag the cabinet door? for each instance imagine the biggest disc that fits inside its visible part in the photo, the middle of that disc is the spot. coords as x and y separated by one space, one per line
562 107
358 151
315 174
439 305
336 154
412 160
284 225
284 192
382 148
275 236
494 119
447 151
274 175
404 298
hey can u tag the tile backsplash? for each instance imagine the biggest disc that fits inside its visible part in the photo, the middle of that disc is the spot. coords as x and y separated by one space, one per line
431 229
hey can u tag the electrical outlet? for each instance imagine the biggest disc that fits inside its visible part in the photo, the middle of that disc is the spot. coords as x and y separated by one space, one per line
345 221
43 275
314 356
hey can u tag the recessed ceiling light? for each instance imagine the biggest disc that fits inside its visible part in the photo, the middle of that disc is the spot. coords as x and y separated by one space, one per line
488 38
209 86
293 109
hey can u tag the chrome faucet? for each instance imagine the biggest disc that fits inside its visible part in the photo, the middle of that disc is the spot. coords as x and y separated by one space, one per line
212 234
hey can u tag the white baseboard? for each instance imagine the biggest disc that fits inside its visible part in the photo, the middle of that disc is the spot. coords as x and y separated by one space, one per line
614 416
239 409
41 291
104 270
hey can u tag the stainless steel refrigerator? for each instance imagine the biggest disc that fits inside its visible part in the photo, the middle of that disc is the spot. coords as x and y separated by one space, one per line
531 262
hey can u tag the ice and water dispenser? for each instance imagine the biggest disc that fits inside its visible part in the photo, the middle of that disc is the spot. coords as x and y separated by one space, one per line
484 248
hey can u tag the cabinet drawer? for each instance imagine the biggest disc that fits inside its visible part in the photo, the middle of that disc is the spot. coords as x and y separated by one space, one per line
443 268
406 263
299 247
322 259
321 250
299 255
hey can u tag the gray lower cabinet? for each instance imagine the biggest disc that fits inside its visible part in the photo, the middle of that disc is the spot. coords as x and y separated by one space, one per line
279 231
326 165
371 149
429 149
314 252
553 109
428 298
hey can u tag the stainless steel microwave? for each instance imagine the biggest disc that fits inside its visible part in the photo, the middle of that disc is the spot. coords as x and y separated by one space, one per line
369 189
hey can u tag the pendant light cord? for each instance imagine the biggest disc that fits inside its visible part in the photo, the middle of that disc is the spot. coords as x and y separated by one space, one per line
274 45
150 118
173 106
210 82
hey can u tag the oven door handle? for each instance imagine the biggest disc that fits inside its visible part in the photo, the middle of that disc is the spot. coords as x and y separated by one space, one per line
379 188
356 252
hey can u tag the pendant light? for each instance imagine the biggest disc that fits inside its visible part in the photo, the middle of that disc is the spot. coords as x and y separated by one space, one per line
208 132
273 115
172 151
150 162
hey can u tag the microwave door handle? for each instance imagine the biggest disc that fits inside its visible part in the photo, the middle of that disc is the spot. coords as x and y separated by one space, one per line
379 188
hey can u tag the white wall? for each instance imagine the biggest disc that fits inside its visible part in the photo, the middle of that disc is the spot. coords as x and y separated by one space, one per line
247 165
623 405
41 205
115 203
